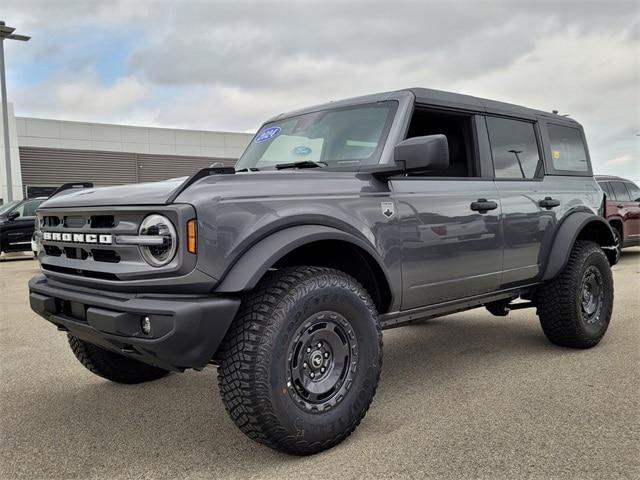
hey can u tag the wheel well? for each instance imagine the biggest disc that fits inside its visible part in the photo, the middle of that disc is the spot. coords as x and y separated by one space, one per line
597 232
347 258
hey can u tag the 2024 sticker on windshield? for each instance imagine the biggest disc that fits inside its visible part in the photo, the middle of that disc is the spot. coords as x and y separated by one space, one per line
267 134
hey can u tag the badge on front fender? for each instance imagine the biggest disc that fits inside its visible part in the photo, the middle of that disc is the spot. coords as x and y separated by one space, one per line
388 209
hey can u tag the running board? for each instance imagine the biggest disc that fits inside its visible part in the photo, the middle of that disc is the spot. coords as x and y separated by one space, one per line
403 317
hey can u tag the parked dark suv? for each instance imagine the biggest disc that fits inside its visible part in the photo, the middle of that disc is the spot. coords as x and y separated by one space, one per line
622 210
338 221
17 220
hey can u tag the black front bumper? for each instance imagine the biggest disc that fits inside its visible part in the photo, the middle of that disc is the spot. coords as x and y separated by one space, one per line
186 330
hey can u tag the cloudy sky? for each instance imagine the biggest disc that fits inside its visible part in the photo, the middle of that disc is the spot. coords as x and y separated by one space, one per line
229 65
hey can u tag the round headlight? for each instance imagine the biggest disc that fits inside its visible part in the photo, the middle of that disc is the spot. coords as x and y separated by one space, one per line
163 240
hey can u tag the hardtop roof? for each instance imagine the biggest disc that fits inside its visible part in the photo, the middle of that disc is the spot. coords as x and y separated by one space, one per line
439 98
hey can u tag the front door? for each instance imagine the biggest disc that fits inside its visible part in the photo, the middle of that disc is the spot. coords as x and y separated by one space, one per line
18 232
451 239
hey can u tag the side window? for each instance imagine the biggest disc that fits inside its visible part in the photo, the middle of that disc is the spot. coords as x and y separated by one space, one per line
458 130
634 191
567 149
620 192
28 209
514 148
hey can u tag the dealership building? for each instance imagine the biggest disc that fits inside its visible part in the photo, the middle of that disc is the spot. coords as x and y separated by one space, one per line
47 153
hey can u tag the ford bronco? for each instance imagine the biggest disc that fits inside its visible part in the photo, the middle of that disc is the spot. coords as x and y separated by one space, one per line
338 221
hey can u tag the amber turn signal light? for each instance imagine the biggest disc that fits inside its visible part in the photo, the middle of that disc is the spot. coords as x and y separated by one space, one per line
191 236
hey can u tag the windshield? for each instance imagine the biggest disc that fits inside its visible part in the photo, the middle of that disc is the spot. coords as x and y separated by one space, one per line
340 137
5 208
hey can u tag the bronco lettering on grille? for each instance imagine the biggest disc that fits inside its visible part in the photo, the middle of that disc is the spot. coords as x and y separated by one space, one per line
101 239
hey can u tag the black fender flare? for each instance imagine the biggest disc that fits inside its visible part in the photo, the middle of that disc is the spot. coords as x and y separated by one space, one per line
254 262
567 234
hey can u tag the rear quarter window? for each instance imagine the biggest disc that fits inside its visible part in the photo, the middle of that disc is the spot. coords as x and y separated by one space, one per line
568 151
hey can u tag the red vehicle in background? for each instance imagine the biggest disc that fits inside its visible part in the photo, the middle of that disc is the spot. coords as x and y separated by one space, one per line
622 210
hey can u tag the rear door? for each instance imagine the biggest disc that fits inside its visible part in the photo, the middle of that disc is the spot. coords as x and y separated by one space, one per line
524 192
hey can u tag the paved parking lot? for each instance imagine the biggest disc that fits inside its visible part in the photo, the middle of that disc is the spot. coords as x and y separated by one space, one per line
466 396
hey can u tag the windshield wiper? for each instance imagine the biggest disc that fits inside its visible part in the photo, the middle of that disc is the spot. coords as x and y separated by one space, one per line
301 164
249 169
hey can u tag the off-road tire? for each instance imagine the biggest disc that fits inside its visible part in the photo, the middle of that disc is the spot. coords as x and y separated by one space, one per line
560 301
112 366
256 360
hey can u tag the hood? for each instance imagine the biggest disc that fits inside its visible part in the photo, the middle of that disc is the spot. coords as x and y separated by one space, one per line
155 193
270 184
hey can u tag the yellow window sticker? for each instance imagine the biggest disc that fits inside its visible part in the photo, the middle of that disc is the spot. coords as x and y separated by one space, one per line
555 154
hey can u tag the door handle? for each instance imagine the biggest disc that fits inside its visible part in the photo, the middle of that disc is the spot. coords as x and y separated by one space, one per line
483 205
549 203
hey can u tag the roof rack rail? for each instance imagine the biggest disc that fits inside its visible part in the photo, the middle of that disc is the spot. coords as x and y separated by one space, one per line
203 172
69 186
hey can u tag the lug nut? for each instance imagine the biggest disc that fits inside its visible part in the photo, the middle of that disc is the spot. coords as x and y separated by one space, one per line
308 349
319 344
322 370
312 374
326 354
304 365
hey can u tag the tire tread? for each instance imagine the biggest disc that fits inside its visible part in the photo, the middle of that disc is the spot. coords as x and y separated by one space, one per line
242 378
556 299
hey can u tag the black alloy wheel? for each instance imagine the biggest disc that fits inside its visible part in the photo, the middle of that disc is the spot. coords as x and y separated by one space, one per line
322 361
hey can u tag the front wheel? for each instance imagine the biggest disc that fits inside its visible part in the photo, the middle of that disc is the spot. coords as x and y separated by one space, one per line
301 362
575 307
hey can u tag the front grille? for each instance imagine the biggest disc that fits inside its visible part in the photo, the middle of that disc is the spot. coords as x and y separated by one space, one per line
102 221
109 256
84 223
77 221
52 250
74 222
50 221
80 272
76 253
66 249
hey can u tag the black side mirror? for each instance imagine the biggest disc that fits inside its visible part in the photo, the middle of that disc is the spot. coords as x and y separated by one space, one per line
423 153
13 215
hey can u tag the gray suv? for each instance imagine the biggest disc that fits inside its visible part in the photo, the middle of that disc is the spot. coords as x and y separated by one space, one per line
338 221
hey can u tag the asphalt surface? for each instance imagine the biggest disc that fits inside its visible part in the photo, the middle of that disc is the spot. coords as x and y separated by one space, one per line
466 396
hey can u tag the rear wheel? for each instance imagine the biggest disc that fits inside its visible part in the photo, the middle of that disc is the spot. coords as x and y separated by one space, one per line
575 307
112 366
301 362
